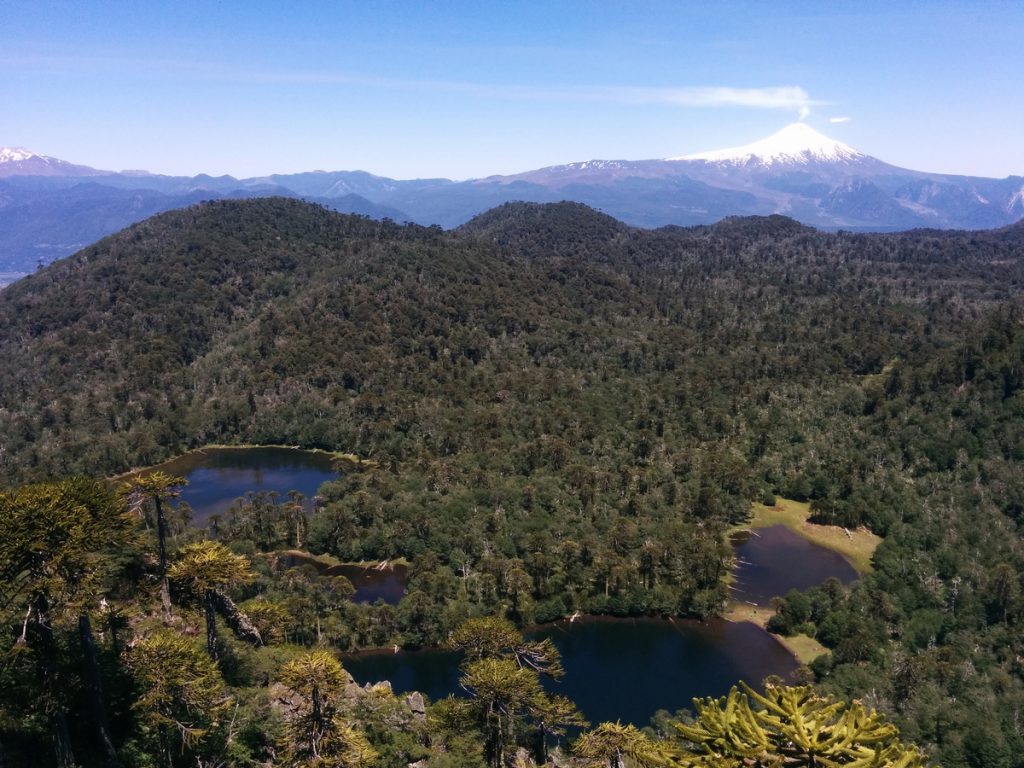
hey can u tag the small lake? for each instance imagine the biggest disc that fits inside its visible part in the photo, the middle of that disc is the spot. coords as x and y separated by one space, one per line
615 669
771 561
371 583
217 477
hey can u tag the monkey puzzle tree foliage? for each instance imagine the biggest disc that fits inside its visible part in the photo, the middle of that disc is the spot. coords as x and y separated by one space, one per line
270 618
319 736
492 637
157 487
791 726
55 545
501 675
615 744
204 570
485 637
181 698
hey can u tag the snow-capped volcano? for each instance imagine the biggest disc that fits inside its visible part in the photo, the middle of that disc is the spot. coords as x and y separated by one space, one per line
796 144
18 161
796 172
15 154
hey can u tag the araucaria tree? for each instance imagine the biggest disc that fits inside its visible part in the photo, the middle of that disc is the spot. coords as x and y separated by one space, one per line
181 697
53 540
792 727
500 695
204 570
157 487
318 735
502 677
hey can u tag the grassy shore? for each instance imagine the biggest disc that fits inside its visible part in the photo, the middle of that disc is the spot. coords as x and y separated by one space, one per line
856 547
804 648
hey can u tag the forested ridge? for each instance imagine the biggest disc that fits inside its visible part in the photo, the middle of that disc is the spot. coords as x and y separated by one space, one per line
563 413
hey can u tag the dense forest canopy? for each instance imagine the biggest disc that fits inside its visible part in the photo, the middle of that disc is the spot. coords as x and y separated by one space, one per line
564 413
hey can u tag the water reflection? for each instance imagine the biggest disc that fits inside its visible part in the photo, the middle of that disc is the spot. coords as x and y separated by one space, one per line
616 669
771 561
372 583
218 477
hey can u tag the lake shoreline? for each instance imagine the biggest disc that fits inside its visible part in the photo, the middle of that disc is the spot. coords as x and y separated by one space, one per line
654 663
856 547
582 620
803 648
221 447
330 561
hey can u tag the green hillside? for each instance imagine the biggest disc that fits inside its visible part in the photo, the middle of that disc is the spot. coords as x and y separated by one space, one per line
577 409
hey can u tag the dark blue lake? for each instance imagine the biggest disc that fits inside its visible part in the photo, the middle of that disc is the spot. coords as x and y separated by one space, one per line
217 477
615 669
371 583
771 561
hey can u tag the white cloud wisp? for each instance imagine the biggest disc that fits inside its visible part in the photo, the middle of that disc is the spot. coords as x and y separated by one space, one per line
784 97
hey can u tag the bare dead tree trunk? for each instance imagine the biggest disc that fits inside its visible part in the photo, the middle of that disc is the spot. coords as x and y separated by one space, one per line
240 624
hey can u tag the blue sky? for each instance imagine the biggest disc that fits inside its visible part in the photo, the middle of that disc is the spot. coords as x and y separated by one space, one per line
466 89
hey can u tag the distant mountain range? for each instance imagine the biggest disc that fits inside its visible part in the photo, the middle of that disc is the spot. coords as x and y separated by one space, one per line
50 208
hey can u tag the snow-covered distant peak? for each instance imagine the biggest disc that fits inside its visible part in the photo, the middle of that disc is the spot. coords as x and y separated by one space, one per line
15 154
18 161
797 143
596 165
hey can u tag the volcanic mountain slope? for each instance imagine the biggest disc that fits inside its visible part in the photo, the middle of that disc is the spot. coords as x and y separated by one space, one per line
18 161
797 172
